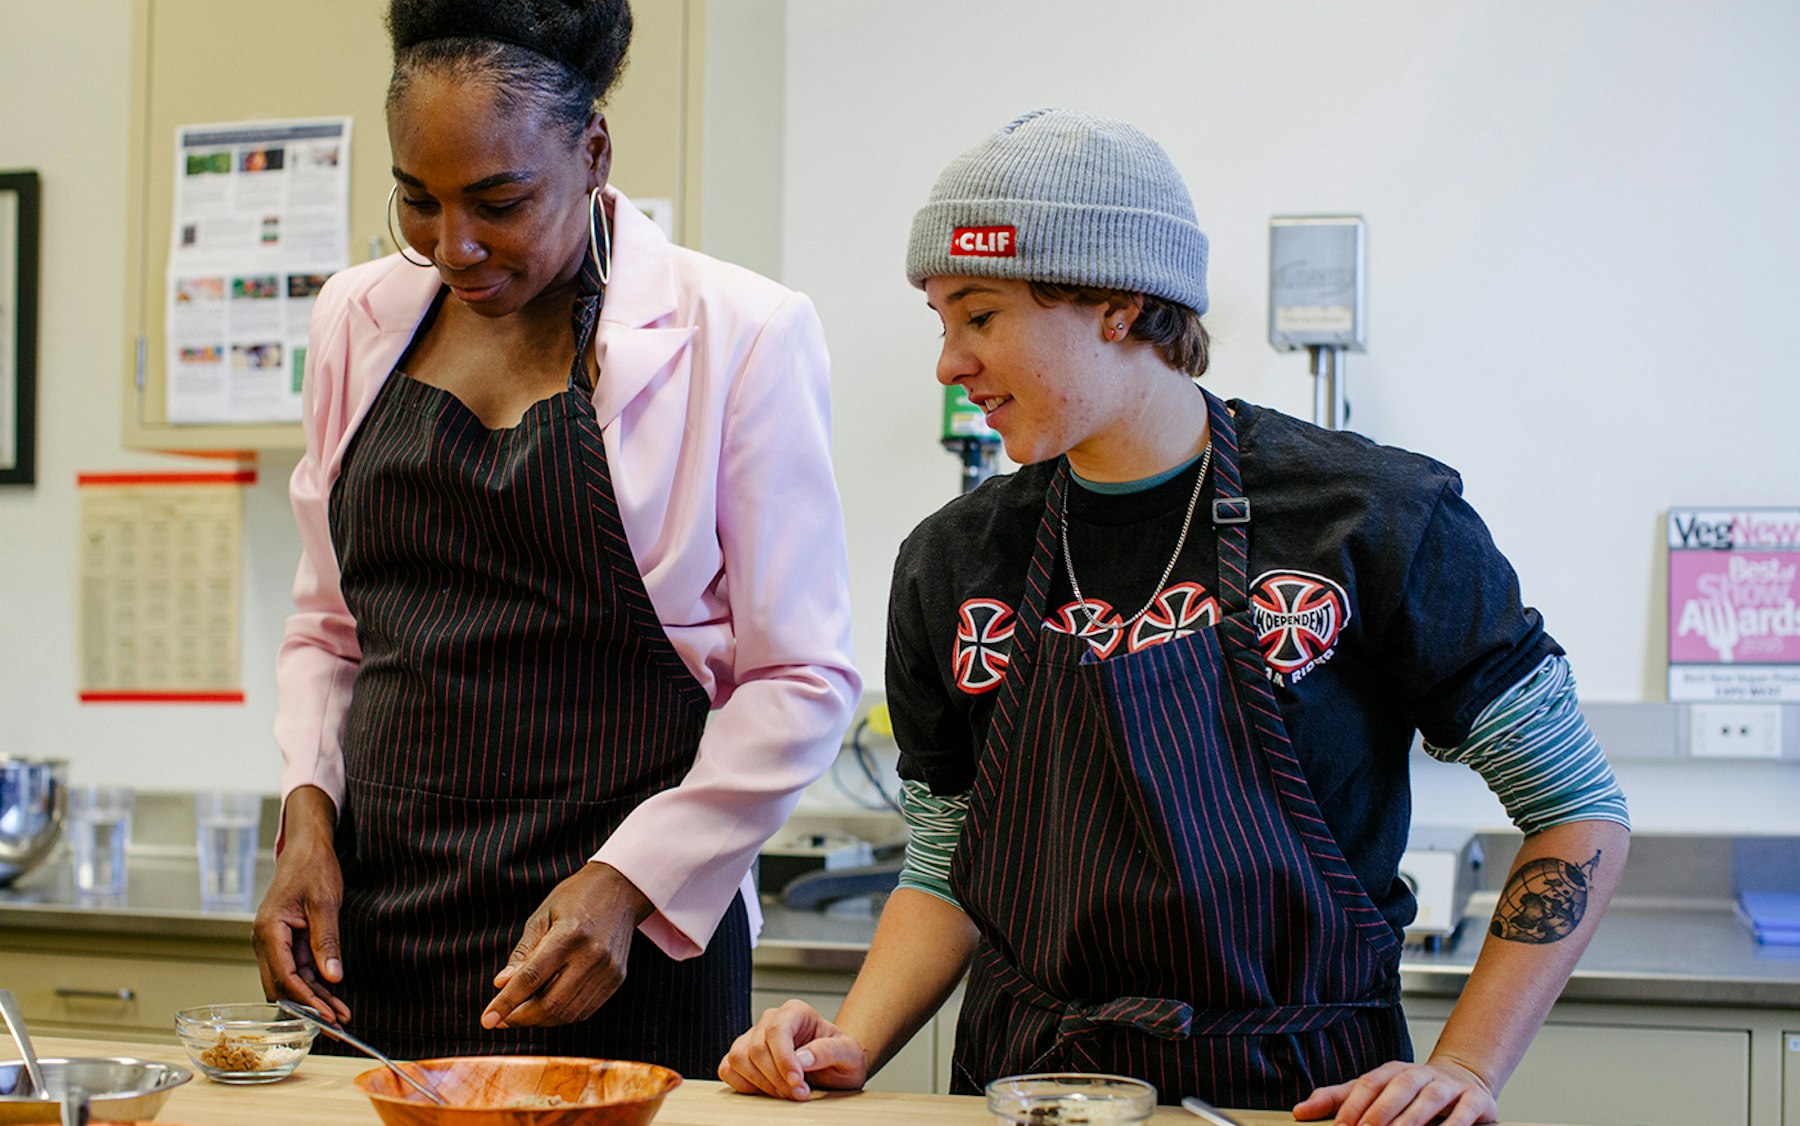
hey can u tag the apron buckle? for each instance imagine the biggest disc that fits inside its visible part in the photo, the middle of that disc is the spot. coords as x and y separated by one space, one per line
1231 510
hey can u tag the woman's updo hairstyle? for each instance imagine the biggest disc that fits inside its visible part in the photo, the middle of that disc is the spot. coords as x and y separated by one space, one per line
558 57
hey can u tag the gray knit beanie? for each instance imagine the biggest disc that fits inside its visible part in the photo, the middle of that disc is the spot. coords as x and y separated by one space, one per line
1060 196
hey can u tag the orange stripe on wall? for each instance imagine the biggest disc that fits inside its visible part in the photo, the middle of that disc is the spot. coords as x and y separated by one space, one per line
241 477
162 697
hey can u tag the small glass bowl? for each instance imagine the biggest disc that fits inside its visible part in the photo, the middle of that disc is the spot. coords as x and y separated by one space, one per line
250 1043
1070 1097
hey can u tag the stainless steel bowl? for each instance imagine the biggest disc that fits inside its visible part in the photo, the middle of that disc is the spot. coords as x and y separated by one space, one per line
120 1088
33 802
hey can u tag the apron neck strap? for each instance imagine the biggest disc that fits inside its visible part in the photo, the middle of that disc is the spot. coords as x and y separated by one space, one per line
590 295
1230 516
1230 508
1044 554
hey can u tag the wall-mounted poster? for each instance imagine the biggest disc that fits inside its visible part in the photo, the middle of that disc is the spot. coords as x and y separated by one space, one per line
18 327
161 586
262 218
1734 627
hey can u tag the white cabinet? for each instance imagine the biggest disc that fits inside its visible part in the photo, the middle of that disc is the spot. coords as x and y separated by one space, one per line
81 985
1790 1077
1607 1075
200 61
922 1067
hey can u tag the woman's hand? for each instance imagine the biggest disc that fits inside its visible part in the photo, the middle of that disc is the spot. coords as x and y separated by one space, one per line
571 957
1405 1094
296 930
765 1060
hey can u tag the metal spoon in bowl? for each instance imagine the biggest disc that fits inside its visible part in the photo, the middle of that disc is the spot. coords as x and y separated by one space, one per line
330 1028
74 1098
15 1024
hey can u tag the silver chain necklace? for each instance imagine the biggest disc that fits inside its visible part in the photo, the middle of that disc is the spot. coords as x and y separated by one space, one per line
1188 522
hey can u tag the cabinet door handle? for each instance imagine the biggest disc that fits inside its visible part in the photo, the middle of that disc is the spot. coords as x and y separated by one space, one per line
69 994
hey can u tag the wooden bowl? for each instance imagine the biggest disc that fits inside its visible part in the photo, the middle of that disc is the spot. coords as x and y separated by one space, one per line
521 1091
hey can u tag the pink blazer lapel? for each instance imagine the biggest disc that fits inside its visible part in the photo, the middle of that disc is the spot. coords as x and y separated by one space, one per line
634 341
380 326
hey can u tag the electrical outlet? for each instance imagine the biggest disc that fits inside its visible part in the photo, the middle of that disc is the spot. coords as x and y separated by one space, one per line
1734 730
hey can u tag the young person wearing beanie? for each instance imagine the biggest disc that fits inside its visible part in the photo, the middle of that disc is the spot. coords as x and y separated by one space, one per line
1155 693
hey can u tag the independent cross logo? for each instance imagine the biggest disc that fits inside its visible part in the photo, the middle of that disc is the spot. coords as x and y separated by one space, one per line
1298 618
1182 609
984 631
1095 620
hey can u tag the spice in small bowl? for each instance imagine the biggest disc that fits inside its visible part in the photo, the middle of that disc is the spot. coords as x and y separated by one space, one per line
1070 1097
248 1043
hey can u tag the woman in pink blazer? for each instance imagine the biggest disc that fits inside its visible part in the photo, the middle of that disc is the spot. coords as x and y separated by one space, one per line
566 495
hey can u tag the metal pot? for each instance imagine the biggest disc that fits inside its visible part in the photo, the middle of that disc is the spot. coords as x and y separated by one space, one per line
120 1088
33 803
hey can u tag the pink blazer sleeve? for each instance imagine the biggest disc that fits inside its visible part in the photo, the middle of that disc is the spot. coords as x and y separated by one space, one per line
317 661
790 687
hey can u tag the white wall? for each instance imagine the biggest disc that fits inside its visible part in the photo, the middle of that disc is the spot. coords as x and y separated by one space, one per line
741 112
1580 226
1582 251
64 102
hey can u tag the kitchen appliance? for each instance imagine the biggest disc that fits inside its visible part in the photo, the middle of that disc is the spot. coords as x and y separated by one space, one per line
1439 866
1316 295
786 859
33 803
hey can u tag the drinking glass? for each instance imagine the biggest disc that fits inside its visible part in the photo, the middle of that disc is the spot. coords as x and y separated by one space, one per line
99 829
225 828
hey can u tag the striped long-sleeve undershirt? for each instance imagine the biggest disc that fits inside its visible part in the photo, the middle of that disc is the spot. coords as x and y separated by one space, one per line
1531 745
1534 750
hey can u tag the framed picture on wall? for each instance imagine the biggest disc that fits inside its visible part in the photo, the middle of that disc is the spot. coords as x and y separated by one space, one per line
18 327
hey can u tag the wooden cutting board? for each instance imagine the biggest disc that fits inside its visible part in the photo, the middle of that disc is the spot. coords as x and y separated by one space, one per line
322 1093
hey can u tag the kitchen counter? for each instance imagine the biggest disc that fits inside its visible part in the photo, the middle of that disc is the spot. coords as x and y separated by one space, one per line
321 1093
1694 953
1665 953
162 900
1654 949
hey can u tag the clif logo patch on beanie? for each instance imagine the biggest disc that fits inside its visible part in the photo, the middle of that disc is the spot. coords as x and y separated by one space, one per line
984 242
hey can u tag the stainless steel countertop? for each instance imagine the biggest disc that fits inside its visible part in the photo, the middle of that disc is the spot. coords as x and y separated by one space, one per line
162 899
1688 951
1677 953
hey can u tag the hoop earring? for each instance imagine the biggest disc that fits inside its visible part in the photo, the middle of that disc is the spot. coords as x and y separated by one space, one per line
602 260
400 244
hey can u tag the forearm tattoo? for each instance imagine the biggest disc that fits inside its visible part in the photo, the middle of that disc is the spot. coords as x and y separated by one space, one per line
1544 900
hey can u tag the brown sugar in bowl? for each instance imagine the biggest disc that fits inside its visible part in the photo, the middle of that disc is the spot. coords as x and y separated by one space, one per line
521 1091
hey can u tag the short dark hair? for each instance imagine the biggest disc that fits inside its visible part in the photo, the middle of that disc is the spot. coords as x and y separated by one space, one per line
559 57
1172 328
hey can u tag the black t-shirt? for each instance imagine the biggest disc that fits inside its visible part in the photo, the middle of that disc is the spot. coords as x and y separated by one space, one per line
1383 607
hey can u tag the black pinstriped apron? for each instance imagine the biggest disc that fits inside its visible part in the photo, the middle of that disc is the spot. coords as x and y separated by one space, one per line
1156 891
517 697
